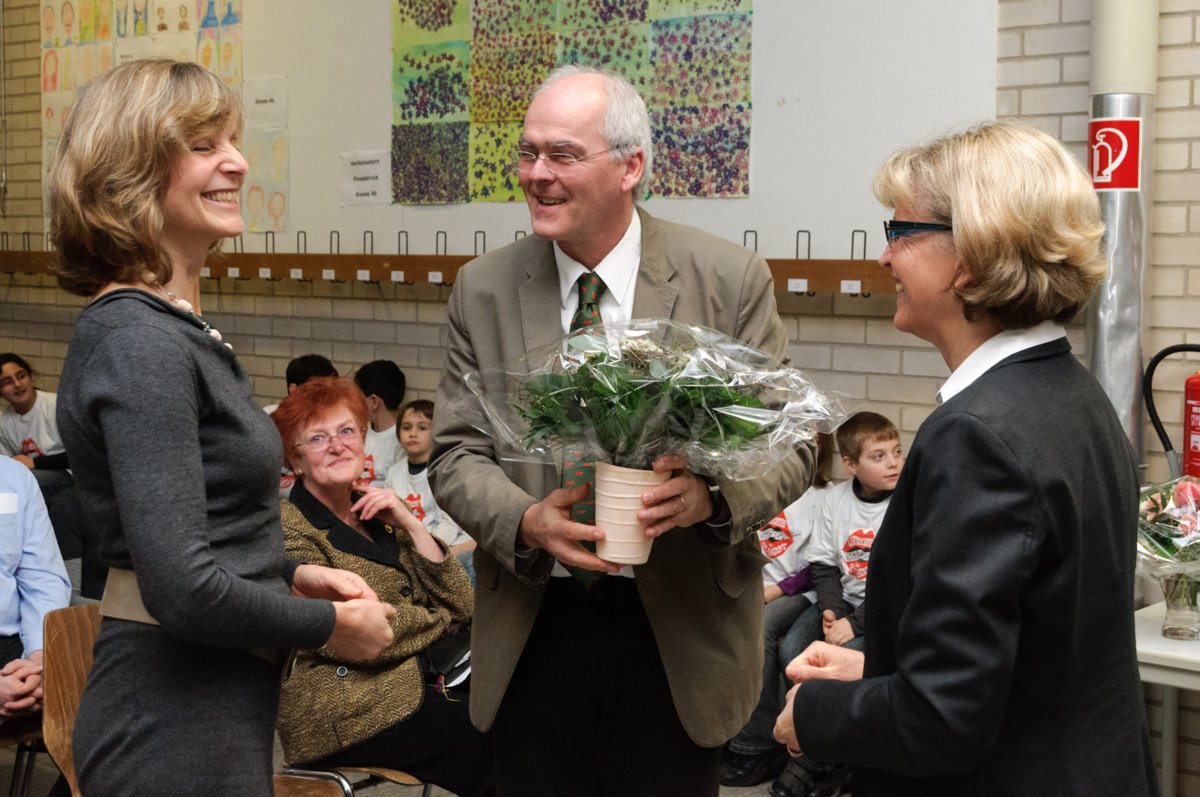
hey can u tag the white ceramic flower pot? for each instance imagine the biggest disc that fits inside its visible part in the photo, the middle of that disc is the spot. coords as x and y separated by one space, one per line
618 495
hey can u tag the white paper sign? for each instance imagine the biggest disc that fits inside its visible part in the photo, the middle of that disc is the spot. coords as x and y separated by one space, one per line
366 178
266 100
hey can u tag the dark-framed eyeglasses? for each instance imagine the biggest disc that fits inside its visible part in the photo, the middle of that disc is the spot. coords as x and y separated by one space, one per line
899 229
556 162
321 440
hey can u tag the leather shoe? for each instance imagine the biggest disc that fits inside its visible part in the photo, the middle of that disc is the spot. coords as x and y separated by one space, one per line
803 777
740 769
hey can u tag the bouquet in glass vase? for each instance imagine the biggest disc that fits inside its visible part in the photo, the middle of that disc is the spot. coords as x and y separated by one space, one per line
622 395
1169 550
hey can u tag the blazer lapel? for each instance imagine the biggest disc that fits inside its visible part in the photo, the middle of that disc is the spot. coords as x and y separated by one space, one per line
340 536
540 302
656 290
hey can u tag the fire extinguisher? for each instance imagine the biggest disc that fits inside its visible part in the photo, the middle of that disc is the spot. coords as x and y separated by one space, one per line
1191 425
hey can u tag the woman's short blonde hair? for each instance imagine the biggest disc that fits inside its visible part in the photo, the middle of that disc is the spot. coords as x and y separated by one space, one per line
121 141
1026 219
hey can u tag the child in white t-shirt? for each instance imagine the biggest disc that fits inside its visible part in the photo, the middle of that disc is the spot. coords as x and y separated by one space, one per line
409 478
753 755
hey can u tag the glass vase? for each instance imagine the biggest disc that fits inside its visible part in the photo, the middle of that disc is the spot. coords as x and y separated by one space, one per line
1182 618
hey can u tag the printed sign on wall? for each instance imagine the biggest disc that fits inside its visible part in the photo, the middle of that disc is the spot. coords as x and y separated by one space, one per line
1115 152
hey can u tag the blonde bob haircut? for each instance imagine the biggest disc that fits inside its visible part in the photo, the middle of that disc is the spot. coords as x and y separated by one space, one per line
1026 219
121 142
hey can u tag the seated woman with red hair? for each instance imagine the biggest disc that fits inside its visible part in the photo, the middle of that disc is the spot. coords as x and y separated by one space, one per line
337 711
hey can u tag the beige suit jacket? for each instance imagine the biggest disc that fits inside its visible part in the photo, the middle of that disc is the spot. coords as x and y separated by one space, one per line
701 595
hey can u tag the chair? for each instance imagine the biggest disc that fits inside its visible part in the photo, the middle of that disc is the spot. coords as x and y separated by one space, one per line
374 777
67 650
24 733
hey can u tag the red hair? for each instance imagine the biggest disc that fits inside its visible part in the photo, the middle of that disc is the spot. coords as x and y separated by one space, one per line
314 399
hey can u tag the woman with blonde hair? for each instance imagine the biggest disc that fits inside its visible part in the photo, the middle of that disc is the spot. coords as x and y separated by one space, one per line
1000 647
175 462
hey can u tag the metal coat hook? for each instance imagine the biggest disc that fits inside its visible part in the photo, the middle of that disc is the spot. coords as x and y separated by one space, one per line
440 242
402 242
368 242
480 242
269 242
239 245
335 242
4 240
807 255
853 238
27 241
302 242
808 244
519 234
746 237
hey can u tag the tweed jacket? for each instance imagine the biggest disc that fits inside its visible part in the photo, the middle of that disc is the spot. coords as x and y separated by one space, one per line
329 703
1000 643
700 590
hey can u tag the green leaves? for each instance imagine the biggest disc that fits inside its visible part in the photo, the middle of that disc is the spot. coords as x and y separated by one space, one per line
633 402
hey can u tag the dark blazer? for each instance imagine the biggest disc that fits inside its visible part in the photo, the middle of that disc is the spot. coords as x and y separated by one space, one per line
1000 643
701 594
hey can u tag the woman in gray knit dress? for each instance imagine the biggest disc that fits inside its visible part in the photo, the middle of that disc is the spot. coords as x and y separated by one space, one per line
175 464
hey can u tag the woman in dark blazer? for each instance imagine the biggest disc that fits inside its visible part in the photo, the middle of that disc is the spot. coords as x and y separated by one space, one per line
1000 645
339 710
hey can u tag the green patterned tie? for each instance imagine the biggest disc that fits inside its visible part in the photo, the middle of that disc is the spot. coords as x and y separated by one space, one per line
576 470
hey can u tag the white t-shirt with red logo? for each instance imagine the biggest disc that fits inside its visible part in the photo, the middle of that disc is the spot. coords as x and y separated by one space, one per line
785 540
382 450
843 536
35 433
414 490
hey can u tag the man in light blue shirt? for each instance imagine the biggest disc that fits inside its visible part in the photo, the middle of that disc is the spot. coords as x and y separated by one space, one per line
33 581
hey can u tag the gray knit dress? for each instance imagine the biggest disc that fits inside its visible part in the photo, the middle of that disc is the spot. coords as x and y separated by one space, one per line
177 469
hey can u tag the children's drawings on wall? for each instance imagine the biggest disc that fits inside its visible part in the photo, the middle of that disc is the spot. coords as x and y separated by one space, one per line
82 39
266 144
478 61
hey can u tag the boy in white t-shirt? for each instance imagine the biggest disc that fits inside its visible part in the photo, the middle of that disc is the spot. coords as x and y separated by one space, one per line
839 556
383 383
840 551
28 427
409 479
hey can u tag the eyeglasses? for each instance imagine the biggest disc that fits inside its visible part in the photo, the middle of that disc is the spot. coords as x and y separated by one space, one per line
19 376
556 162
321 440
901 229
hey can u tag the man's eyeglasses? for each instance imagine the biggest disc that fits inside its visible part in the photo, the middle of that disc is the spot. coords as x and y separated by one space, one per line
556 162
321 440
19 376
900 229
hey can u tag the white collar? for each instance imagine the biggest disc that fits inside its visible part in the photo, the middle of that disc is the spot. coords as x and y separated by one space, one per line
993 350
617 269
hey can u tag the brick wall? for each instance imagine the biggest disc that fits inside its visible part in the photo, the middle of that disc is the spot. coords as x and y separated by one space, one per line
845 343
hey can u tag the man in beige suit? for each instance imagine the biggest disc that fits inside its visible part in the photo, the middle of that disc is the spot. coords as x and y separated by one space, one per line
629 686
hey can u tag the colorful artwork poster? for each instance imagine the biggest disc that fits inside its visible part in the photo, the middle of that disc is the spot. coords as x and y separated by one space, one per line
493 176
429 82
429 163
701 151
417 21
623 49
702 60
505 70
690 60
266 189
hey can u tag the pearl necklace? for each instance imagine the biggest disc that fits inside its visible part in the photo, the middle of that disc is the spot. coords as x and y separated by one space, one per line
186 306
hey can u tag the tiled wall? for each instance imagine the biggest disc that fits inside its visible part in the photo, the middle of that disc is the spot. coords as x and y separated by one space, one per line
845 343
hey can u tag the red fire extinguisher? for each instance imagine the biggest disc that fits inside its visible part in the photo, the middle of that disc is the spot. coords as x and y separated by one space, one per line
1191 425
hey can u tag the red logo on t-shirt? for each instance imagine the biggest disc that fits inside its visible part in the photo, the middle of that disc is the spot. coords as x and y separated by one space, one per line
29 447
857 552
775 537
367 476
413 502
